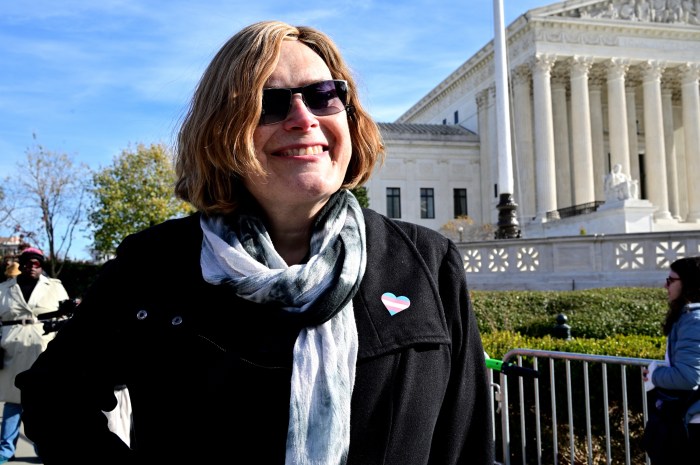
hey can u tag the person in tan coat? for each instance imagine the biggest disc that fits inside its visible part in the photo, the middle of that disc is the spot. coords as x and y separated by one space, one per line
23 298
12 270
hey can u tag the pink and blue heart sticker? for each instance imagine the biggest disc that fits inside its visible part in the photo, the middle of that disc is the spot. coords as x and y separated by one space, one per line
395 304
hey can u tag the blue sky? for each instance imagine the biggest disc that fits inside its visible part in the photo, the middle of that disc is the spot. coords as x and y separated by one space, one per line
92 78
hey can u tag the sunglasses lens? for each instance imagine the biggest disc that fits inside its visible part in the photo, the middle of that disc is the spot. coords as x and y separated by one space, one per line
32 264
275 105
326 97
321 98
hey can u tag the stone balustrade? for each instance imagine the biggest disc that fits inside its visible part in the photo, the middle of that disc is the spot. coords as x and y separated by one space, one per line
576 262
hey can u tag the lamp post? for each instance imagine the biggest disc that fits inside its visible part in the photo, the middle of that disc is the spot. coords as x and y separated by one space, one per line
508 227
460 230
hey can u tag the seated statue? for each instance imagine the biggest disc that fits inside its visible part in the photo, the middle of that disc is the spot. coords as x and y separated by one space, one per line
619 186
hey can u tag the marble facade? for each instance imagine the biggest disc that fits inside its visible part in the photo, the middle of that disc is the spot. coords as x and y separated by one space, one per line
594 84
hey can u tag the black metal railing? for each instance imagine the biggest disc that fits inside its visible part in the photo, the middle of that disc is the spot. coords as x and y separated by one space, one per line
582 209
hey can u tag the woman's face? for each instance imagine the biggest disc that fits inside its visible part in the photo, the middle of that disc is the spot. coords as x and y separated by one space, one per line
305 156
31 268
673 286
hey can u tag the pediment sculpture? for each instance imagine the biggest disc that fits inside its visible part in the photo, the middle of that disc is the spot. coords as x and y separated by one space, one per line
646 11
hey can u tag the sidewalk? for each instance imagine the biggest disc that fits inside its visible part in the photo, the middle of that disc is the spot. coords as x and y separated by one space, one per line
25 450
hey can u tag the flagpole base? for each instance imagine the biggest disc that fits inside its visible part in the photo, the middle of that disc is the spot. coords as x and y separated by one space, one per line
508 227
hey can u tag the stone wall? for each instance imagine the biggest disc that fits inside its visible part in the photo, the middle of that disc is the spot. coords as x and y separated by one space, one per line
576 262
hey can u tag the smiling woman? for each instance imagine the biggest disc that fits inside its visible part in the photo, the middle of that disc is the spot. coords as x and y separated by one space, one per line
309 330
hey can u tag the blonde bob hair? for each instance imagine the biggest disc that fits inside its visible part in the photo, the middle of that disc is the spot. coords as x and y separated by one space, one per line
215 149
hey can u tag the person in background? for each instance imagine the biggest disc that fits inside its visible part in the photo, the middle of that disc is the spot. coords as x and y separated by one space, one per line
678 379
282 323
12 270
23 298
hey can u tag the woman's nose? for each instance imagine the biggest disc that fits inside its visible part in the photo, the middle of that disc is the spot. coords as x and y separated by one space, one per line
299 115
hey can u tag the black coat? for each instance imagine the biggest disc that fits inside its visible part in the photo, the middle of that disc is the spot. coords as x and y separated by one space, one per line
208 373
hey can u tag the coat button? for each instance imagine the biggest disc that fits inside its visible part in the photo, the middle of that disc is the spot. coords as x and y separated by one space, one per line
177 320
141 314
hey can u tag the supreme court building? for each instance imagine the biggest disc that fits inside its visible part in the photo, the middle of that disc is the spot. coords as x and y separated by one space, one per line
593 84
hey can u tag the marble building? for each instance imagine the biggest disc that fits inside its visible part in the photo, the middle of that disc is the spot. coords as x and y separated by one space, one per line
594 85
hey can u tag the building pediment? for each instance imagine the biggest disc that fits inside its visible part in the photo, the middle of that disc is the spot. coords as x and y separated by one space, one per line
684 12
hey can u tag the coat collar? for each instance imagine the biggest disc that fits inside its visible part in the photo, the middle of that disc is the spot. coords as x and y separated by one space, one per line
396 267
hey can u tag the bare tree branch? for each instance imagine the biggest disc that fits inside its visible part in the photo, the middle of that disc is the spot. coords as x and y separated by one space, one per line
47 195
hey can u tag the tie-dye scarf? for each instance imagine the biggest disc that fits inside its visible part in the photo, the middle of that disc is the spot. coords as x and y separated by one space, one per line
241 255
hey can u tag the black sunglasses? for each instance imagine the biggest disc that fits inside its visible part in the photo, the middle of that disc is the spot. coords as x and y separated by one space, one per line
669 280
321 98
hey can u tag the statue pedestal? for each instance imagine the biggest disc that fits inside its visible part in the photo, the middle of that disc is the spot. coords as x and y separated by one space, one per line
623 216
616 217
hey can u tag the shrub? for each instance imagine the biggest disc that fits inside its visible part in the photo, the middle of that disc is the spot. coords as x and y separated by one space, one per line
498 343
592 313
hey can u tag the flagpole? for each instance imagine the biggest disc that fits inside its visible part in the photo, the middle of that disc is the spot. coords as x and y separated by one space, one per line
508 227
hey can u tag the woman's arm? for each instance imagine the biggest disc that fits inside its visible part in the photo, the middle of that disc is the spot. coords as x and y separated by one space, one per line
463 434
685 370
72 382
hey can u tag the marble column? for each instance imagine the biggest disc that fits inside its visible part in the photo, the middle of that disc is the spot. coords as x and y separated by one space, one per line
523 143
582 148
617 114
600 165
655 158
545 180
482 103
679 141
670 151
493 158
691 130
562 157
632 128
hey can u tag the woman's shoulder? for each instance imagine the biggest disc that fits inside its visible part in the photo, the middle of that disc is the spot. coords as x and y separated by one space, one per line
409 248
688 326
424 238
7 284
691 315
167 237
49 281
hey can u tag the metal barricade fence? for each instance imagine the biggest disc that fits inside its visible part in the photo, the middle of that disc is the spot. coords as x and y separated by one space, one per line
612 411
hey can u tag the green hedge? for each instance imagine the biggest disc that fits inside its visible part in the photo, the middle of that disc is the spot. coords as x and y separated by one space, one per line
623 322
593 313
498 343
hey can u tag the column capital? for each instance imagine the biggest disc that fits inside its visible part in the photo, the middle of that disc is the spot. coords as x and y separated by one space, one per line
521 75
689 72
542 63
580 66
652 70
617 68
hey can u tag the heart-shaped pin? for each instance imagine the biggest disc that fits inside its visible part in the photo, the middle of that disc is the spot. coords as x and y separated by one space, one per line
395 304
